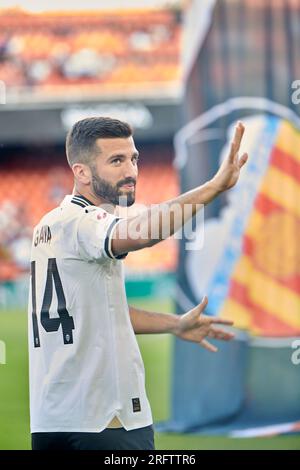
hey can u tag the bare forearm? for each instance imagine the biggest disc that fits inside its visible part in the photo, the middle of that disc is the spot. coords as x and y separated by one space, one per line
162 220
144 322
171 215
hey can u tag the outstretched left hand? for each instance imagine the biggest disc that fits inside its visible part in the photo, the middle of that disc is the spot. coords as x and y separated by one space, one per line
194 326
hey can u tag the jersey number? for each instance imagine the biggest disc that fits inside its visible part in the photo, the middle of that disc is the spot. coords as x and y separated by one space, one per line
51 324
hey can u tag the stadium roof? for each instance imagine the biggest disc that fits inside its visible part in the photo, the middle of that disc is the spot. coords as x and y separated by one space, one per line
64 5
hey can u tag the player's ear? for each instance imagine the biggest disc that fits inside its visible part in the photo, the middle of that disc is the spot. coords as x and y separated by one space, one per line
82 173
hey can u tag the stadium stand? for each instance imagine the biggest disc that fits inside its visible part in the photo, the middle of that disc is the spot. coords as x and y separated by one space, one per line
50 51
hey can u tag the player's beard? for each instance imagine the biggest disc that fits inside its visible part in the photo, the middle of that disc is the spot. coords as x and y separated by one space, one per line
112 194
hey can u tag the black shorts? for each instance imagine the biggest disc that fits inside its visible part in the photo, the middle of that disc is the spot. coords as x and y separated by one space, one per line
109 439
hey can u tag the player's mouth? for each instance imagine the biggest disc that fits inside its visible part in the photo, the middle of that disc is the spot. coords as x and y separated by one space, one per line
129 185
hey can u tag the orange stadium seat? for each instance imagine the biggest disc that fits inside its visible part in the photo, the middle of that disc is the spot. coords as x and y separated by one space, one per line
34 49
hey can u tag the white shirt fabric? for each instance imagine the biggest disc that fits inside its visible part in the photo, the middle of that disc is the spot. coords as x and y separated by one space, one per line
85 363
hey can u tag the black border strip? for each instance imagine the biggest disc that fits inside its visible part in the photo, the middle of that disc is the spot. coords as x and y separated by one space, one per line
78 203
76 199
107 238
84 199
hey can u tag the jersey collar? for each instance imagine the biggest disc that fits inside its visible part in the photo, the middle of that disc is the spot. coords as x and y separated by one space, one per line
81 201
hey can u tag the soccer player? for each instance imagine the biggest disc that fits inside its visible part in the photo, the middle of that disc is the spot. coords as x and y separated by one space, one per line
87 383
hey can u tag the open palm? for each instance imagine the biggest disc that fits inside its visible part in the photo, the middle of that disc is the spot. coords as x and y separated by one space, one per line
196 327
229 171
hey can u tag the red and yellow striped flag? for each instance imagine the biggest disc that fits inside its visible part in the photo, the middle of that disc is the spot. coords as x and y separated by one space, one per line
264 290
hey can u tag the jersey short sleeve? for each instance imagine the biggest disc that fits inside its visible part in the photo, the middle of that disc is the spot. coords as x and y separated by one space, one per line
94 235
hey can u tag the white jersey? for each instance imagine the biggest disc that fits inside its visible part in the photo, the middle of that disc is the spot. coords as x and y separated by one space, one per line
85 363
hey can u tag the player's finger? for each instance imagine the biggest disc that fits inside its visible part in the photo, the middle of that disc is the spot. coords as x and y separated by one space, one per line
232 153
193 315
243 160
202 305
241 126
236 141
240 130
219 333
234 148
220 321
208 346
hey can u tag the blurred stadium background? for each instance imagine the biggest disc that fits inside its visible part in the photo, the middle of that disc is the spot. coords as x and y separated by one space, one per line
173 69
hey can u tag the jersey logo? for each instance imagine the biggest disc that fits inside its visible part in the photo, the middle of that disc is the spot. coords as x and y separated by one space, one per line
136 405
101 215
43 235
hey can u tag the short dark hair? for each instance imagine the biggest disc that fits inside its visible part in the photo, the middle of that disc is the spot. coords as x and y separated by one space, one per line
81 139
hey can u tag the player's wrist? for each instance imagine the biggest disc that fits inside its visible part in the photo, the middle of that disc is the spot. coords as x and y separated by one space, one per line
216 186
177 327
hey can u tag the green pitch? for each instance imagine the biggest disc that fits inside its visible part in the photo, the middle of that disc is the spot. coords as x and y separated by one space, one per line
156 351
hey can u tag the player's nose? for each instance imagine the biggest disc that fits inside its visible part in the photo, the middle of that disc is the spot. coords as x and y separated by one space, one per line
130 171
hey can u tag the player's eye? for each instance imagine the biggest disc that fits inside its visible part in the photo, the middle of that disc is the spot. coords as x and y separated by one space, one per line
116 161
135 159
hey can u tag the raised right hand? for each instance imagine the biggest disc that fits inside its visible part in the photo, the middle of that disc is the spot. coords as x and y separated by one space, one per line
229 171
